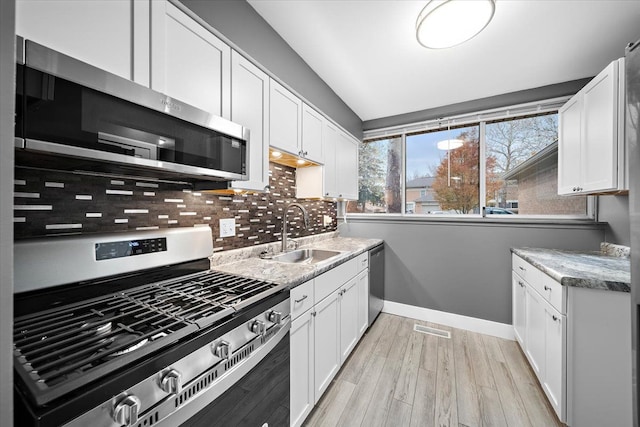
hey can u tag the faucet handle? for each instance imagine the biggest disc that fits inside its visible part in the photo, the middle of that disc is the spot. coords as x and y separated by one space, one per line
295 243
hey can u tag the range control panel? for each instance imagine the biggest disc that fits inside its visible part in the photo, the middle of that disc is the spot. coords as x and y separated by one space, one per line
126 248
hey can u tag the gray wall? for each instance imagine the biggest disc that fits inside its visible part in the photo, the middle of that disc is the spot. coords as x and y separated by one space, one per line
462 268
614 210
7 96
498 101
243 26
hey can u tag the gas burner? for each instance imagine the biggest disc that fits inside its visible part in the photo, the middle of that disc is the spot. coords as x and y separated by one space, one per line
131 341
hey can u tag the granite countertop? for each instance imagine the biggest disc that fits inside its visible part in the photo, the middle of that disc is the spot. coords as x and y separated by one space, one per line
246 262
593 270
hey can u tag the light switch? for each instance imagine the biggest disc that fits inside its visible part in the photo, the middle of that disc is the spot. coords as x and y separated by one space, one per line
227 227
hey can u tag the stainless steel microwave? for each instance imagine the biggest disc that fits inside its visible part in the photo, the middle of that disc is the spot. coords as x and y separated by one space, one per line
73 116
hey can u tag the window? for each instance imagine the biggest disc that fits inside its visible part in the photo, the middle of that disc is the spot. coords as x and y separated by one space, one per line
447 163
379 177
506 166
522 167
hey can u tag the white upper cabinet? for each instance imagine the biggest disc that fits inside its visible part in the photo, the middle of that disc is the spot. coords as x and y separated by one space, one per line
312 127
285 117
347 167
296 128
591 150
109 34
331 140
338 178
188 62
250 108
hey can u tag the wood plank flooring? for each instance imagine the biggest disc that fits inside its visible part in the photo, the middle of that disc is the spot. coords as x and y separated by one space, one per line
399 377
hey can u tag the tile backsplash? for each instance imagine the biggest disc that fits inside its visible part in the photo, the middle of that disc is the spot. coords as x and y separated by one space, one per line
52 203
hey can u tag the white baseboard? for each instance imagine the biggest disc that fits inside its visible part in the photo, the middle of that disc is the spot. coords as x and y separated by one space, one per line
487 327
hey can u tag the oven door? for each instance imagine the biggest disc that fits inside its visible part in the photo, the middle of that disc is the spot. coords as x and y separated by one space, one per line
255 394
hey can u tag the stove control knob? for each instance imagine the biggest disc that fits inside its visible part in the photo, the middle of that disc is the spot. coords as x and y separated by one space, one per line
126 409
274 317
221 350
171 382
257 327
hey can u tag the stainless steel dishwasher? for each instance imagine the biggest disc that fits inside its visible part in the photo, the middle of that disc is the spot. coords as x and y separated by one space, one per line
376 282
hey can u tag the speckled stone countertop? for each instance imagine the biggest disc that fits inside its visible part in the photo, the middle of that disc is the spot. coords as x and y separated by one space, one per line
581 269
246 262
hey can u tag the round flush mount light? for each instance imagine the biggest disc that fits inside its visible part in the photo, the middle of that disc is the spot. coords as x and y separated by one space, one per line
448 23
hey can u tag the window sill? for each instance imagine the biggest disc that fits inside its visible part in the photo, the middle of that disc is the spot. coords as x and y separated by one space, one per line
475 220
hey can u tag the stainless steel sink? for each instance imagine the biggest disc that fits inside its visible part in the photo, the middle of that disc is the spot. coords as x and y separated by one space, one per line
305 256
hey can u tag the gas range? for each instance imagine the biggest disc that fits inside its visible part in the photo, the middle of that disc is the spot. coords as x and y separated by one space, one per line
145 352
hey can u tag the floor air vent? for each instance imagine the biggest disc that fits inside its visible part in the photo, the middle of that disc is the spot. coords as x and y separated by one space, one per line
432 331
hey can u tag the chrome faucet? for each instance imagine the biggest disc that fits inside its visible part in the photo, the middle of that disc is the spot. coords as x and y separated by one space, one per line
305 215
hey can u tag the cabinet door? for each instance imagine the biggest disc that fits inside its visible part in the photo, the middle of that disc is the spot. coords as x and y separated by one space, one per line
348 318
312 125
553 382
569 135
363 302
535 330
302 367
519 296
329 144
285 117
600 131
188 62
327 342
110 34
347 164
250 108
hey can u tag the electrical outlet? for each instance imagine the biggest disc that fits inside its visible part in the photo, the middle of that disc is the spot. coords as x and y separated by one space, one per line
227 227
327 220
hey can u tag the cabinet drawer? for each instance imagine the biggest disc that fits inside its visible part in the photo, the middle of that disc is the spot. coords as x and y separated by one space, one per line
334 278
302 299
553 292
525 270
363 261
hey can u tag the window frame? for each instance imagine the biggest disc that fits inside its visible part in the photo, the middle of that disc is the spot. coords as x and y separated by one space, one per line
480 119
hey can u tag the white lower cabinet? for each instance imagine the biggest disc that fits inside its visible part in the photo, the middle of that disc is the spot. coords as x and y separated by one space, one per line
329 315
555 358
578 343
540 329
327 344
302 341
362 286
348 318
534 321
519 295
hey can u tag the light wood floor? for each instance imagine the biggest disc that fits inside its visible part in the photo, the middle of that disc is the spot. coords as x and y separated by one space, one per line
399 377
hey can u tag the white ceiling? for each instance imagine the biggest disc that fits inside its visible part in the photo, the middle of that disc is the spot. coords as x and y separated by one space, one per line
367 53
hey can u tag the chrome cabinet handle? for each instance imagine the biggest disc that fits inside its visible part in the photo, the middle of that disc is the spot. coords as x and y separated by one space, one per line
547 288
304 297
555 318
313 313
521 284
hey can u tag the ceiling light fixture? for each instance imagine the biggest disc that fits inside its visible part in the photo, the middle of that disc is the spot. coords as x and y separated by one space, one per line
448 23
276 153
